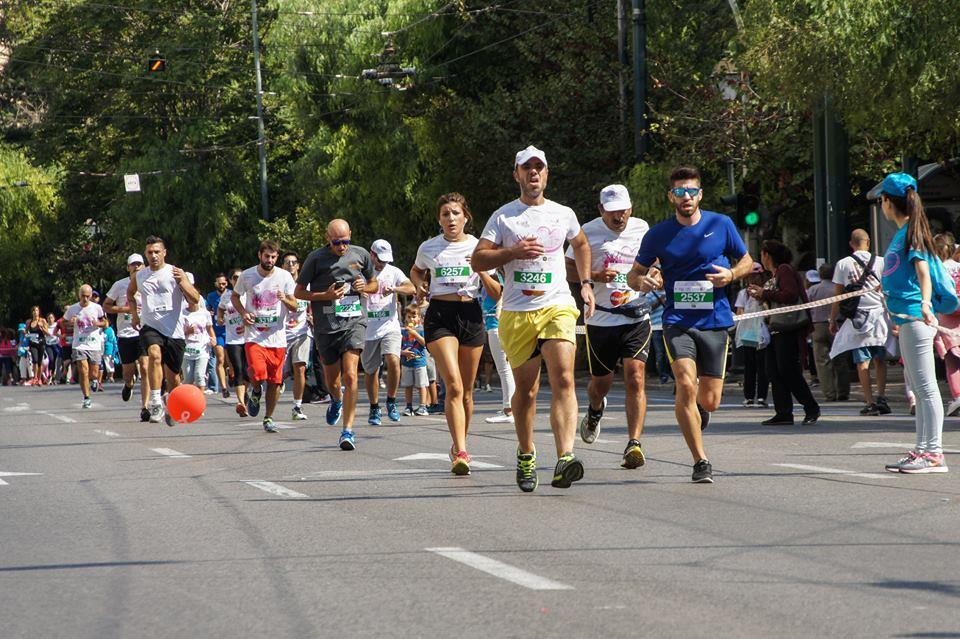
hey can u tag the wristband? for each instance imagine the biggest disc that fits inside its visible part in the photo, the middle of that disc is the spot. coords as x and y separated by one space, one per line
585 282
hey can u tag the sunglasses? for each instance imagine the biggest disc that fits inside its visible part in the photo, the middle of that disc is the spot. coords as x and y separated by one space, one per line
681 191
291 263
340 242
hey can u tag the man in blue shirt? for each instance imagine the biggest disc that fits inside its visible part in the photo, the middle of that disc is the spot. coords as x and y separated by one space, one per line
700 254
215 369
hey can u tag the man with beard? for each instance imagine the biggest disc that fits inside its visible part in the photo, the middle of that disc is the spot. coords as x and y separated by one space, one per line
269 295
700 254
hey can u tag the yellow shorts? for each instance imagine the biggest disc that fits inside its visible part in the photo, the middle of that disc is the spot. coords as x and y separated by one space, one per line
522 331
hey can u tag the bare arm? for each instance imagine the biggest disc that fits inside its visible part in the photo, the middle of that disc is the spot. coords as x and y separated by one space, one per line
724 276
491 285
489 256
926 291
418 276
110 306
581 253
332 293
407 288
835 308
190 293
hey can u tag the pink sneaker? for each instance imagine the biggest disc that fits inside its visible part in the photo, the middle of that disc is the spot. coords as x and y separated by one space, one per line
461 464
925 463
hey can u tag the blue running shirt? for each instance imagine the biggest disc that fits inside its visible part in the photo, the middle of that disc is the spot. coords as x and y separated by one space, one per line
686 254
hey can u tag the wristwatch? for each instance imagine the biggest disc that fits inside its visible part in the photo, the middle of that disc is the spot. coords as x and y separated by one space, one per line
585 282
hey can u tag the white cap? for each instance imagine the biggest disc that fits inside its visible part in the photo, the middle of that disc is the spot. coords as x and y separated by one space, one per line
383 250
813 276
615 198
528 153
135 257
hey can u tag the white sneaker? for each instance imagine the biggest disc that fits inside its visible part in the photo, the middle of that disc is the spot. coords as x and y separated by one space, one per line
487 389
499 417
953 408
297 414
207 391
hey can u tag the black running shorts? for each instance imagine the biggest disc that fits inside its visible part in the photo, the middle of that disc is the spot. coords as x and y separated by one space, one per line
606 345
462 320
332 346
171 348
707 347
130 350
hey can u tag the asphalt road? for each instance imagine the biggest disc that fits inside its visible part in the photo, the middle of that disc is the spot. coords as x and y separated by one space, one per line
219 529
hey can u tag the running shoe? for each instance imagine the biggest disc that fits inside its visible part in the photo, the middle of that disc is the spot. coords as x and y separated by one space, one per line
906 459
126 393
87 403
748 402
334 411
376 416
913 409
568 470
156 413
527 478
590 424
499 417
347 440
269 426
925 463
392 411
408 411
208 391
487 389
242 410
704 417
422 411
94 385
870 409
253 401
435 409
296 414
762 403
702 472
882 406
144 415
461 464
225 393
168 418
953 408
633 455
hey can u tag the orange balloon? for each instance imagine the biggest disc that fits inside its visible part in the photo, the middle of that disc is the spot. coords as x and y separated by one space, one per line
186 403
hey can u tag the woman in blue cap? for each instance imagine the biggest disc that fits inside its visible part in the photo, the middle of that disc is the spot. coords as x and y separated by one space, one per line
908 286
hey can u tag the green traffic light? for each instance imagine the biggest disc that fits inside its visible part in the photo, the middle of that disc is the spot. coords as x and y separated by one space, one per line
752 218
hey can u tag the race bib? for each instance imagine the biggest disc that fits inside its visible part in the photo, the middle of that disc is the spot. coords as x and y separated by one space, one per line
192 350
532 279
619 283
266 321
381 314
451 274
348 306
87 339
694 296
161 302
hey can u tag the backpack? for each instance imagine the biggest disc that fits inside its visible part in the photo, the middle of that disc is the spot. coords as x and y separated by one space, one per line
848 307
944 293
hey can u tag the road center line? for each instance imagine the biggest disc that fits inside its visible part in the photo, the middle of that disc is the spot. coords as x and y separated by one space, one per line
499 569
169 452
276 489
62 418
834 471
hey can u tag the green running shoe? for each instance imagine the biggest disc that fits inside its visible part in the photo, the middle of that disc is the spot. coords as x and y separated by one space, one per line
527 471
569 469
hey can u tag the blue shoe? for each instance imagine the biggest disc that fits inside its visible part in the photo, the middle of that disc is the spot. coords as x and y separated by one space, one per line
334 411
347 440
375 418
393 412
252 401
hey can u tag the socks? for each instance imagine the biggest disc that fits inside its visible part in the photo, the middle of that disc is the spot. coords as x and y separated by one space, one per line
297 403
374 406
155 397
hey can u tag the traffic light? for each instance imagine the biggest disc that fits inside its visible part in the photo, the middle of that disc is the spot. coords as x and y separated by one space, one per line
746 213
157 63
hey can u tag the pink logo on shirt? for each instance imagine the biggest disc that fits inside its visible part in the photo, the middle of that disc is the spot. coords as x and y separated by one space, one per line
266 299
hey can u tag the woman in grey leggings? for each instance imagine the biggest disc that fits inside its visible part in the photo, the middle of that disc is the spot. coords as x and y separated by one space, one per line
908 287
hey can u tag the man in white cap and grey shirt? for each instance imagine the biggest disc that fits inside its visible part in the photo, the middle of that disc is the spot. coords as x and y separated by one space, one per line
132 357
382 342
620 329
538 322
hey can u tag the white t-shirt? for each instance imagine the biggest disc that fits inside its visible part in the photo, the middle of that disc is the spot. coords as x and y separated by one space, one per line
449 266
118 293
848 271
161 300
195 333
616 251
263 300
296 324
232 320
87 336
380 309
534 284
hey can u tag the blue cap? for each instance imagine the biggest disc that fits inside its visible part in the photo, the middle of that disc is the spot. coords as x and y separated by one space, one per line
896 184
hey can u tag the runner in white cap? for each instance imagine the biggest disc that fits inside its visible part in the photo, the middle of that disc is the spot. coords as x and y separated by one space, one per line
539 315
164 289
383 331
132 358
620 329
88 321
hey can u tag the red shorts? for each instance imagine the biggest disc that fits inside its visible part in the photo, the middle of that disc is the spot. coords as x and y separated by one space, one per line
265 363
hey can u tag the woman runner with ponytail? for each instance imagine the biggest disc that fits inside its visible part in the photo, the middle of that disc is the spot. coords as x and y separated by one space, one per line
908 287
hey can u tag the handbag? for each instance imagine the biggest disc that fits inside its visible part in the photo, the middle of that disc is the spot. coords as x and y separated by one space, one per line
790 321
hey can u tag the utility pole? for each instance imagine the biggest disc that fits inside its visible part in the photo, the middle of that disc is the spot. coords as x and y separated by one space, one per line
622 74
640 79
261 140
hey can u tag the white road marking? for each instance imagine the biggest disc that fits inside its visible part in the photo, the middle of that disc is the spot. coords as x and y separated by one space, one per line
17 408
603 441
499 569
108 433
446 458
62 418
169 452
275 489
897 445
3 474
834 471
337 474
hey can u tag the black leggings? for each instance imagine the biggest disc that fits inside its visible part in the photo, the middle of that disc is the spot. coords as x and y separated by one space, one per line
754 373
238 361
36 353
786 375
